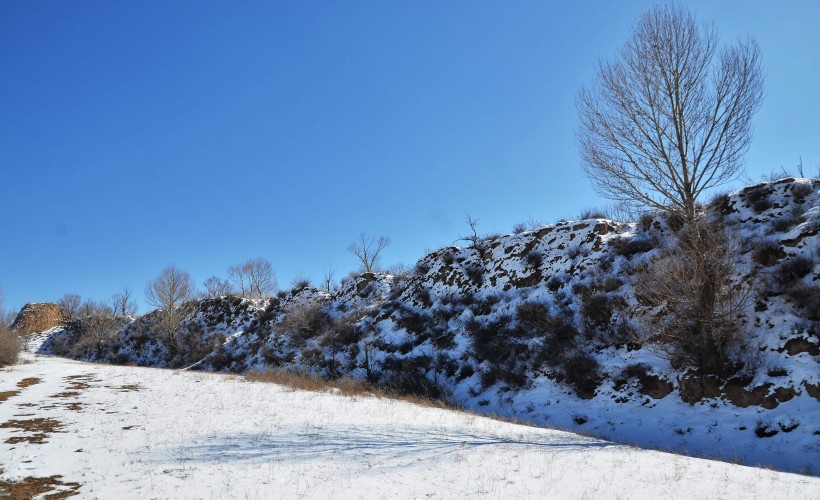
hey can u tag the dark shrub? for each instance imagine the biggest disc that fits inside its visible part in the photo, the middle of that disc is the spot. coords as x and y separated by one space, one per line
582 290
675 221
502 348
793 270
534 315
535 259
576 251
767 252
645 222
597 310
422 268
630 246
801 190
554 283
593 213
582 372
519 228
475 273
806 298
788 221
720 202
408 377
483 307
633 371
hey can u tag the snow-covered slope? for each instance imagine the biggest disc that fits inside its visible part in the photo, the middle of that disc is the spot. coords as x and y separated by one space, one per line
545 326
127 432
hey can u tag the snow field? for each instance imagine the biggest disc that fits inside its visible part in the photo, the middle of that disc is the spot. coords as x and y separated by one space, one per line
153 433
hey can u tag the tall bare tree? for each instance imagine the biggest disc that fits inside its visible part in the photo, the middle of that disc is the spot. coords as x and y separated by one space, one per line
172 288
255 278
217 287
367 249
671 117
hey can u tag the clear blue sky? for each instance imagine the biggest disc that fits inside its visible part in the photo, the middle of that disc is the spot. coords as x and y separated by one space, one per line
138 134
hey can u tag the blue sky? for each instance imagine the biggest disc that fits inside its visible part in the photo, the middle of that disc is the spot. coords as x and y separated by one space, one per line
134 135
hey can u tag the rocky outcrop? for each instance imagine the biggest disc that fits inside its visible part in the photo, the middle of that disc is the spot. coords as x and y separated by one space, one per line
38 317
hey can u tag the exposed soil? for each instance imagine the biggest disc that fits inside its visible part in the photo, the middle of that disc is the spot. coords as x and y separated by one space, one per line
39 428
26 382
30 487
5 395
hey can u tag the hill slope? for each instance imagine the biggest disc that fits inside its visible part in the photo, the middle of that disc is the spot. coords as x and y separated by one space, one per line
547 326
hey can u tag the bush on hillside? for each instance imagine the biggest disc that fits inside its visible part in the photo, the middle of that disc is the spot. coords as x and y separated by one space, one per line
629 246
701 322
9 346
767 252
792 270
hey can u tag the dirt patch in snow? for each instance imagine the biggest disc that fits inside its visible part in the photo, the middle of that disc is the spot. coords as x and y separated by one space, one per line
27 382
39 429
30 487
5 395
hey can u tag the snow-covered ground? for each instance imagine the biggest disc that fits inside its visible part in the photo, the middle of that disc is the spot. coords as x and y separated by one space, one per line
127 432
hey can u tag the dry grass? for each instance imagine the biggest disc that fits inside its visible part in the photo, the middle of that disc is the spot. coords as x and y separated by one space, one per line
5 395
344 386
39 428
27 382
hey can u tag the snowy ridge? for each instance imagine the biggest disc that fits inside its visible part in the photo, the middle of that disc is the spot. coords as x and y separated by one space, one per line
457 324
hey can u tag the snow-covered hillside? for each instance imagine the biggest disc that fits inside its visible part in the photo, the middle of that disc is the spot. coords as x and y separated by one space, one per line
546 326
126 432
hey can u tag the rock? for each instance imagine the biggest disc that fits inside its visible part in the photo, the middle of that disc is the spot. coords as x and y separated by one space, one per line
799 345
812 389
38 317
761 395
696 386
654 386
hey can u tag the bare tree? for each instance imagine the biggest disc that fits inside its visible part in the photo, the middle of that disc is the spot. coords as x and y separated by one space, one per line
123 303
669 120
93 309
255 278
367 249
327 279
168 292
217 287
472 238
70 304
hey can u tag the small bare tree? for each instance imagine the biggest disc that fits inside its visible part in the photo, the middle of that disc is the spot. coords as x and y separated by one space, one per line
217 287
123 303
327 279
472 238
170 290
70 304
368 249
254 279
669 120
